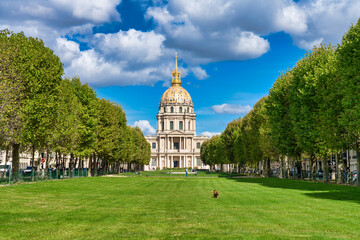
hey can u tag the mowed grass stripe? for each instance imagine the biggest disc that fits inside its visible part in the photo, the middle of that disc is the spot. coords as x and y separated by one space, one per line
179 208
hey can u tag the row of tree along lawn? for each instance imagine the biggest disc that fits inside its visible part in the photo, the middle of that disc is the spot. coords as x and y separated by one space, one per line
42 111
312 111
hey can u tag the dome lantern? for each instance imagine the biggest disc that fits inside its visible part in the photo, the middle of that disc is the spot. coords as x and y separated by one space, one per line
176 94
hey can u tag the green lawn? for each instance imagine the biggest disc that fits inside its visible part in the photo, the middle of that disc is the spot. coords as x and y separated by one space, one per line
179 208
180 173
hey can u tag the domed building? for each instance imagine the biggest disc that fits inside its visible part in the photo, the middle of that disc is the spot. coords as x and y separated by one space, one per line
176 144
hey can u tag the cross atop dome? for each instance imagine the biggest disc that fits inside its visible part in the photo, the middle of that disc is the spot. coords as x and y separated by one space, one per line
176 81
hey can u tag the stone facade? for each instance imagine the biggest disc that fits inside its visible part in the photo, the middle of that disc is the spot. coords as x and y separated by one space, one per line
176 144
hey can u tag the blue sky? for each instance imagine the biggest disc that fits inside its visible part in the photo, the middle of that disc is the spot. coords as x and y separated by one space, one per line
230 51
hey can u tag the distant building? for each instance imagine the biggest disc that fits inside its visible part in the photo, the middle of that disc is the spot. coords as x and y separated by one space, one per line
176 144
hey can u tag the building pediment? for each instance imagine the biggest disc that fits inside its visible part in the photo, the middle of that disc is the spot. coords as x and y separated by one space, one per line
176 132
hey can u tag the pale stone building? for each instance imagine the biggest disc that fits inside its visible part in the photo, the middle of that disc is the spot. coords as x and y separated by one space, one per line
176 144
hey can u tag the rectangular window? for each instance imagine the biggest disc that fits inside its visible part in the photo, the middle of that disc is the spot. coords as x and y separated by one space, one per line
198 160
176 145
153 145
181 125
171 125
162 126
154 162
198 145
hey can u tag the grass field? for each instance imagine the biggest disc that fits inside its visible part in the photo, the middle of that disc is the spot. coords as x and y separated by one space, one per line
179 208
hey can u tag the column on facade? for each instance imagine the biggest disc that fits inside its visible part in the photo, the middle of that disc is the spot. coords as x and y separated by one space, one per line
180 143
160 162
172 162
192 143
171 142
184 143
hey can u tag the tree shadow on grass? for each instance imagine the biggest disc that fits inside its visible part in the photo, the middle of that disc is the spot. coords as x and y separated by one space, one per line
320 190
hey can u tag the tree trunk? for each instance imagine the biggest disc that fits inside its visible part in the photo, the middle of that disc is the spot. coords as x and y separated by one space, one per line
311 167
96 165
71 162
15 161
76 162
268 169
340 168
282 166
325 169
358 162
47 160
6 159
90 165
63 164
32 163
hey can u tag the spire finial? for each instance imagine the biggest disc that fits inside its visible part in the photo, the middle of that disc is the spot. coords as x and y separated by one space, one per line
176 81
175 61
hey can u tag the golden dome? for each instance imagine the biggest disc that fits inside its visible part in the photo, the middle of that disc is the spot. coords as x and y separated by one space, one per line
176 93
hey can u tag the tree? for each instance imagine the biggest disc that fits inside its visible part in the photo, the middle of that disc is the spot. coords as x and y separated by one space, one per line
228 137
305 105
349 73
88 117
333 139
281 127
29 76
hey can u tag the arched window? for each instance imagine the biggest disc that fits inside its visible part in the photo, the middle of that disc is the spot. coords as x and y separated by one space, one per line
188 109
189 126
172 109
181 125
164 109
180 109
162 126
171 125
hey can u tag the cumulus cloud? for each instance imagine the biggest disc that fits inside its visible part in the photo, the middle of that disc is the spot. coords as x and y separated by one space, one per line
145 127
327 21
200 31
199 73
210 134
93 10
231 109
123 58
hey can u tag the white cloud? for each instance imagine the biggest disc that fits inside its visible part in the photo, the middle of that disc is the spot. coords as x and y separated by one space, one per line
210 134
201 31
145 126
292 19
231 109
327 21
67 50
93 10
199 73
133 46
